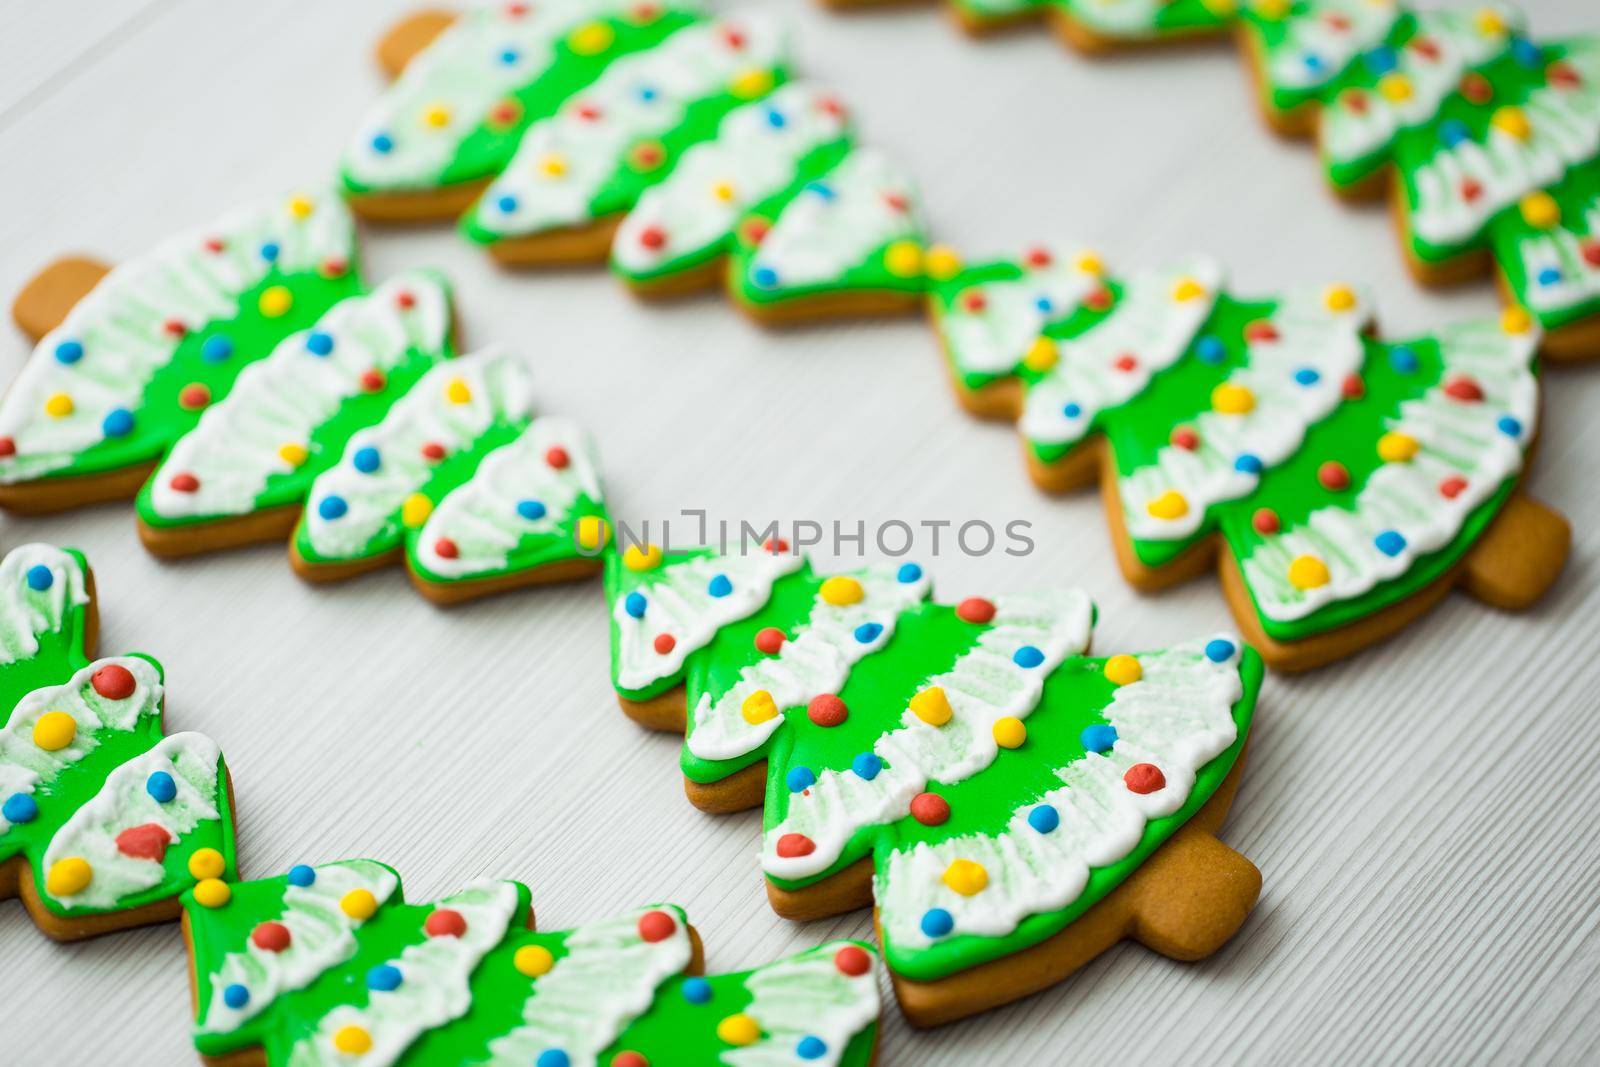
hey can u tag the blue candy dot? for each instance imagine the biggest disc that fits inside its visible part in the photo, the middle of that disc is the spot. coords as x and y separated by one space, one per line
1219 650
1211 349
1382 59
936 922
1390 543
867 765
1312 61
1453 131
161 787
647 93
634 605
765 277
1027 656
1071 410
1510 426
1044 305
69 352
332 507
216 349
302 875
1403 358
776 119
908 573
696 990
811 1048
269 251
1550 276
1248 464
117 423
800 779
1044 818
553 1057
821 189
719 586
510 56
236 996
19 808
1526 52
382 143
532 510
366 460
1307 376
319 343
385 978
40 578
1098 738
507 204
869 632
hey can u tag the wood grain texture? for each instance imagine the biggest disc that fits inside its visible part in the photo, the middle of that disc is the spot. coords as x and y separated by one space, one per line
1423 816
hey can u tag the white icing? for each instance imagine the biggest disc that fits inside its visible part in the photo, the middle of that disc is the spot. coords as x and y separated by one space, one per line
835 224
123 802
983 685
321 936
434 987
481 517
121 323
643 95
678 604
1321 38
281 400
27 613
1148 323
1311 337
25 767
500 388
1177 716
807 996
1456 438
994 338
607 978
756 154
816 658
1562 251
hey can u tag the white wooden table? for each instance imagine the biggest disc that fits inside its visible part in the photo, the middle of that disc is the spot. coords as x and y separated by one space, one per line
1423 815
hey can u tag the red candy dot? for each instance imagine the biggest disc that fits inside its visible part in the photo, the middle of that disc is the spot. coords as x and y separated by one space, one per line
405 299
146 842
974 300
214 244
1037 257
194 396
1356 101
1265 521
1471 189
1563 75
1098 299
373 380
185 483
334 267
1125 362
776 546
1464 389
653 237
557 457
1185 438
446 548
1452 486
1333 475
1476 88
827 710
897 202
664 643
1590 250
756 230
433 451
629 1058
1426 47
830 105
270 936
444 922
852 960
1353 388
733 37
975 609
114 682
1144 778
8 446
656 926
1261 330
793 845
1336 22
769 639
930 809
588 111
174 328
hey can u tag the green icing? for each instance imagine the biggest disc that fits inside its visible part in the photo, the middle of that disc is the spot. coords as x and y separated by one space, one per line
1575 245
1165 19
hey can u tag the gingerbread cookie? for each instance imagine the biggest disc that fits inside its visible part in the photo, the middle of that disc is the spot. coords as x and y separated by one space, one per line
329 964
1353 481
1091 26
1013 806
128 358
103 819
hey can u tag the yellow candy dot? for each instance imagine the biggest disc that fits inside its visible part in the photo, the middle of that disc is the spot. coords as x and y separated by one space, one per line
1123 669
966 877
436 116
1339 298
58 406
1187 289
1308 572
1043 354
841 591
352 1040
942 263
68 876
1169 505
1009 732
903 259
1489 22
593 533
1396 447
749 84
1515 319
301 207
415 511
294 455
642 557
275 301
553 165
1540 210
206 863
1395 88
1272 10
458 392
1089 263
932 706
591 38
723 191
359 904
1513 121
739 1029
212 893
533 960
1230 399
758 707
54 730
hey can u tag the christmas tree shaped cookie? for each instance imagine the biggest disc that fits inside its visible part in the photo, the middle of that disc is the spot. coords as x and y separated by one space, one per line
1353 481
329 964
127 358
1548 251
464 483
1091 26
576 173
1013 806
469 86
103 820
